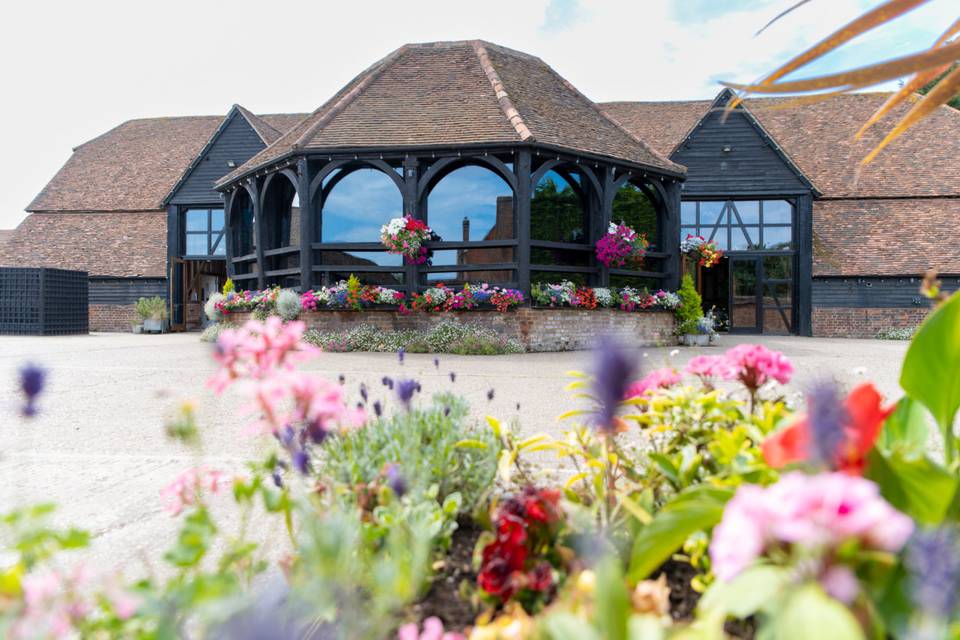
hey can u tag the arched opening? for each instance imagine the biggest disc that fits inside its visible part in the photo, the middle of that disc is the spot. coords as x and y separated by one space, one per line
354 203
242 224
472 203
637 205
560 226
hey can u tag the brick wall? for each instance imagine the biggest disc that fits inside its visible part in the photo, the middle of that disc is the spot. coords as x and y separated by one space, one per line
847 322
113 317
536 329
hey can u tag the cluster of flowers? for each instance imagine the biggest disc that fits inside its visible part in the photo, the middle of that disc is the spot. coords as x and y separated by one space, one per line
706 252
239 301
568 294
621 246
471 296
406 236
344 296
523 556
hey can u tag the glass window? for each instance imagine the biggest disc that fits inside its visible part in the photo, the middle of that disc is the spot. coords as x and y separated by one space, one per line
776 267
557 212
471 203
743 238
362 258
358 205
777 237
777 211
203 232
632 206
216 220
197 219
688 212
748 210
710 211
196 244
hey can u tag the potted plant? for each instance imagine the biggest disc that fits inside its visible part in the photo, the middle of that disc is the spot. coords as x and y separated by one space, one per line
153 312
689 314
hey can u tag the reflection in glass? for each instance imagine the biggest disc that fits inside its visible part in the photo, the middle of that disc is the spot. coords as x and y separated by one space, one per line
197 219
748 210
776 267
777 212
710 211
563 257
776 320
362 258
744 238
777 237
358 205
688 213
471 203
557 212
743 276
778 294
197 244
381 279
632 206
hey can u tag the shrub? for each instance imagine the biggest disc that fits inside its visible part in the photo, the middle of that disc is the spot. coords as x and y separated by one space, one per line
211 308
154 308
288 304
690 310
228 286
213 331
445 337
422 443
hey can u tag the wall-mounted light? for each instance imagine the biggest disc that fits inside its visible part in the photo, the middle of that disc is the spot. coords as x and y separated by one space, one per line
727 148
231 164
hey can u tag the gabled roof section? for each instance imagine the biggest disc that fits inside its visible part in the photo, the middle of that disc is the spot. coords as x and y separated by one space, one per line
819 139
263 128
459 93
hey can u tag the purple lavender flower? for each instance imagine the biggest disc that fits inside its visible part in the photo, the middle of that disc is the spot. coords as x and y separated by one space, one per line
436 363
401 352
490 395
933 562
301 461
377 408
613 369
387 382
453 377
405 390
32 380
827 417
342 378
518 406
446 411
395 480
363 392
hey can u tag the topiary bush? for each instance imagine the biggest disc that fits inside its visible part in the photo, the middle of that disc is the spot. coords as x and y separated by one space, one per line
288 304
691 307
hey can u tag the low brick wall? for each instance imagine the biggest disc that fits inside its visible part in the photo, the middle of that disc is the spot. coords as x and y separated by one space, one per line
849 322
113 317
535 329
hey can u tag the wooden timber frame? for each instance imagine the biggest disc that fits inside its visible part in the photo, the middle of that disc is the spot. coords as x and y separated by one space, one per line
300 263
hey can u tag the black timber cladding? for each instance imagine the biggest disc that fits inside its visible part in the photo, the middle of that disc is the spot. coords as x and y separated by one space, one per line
235 142
874 292
124 291
734 157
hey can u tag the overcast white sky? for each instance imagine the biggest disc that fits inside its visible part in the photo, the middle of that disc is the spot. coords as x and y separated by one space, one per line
74 69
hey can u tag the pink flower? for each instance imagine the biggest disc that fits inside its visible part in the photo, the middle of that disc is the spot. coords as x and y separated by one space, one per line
186 488
432 630
817 513
657 379
257 349
52 604
708 367
754 364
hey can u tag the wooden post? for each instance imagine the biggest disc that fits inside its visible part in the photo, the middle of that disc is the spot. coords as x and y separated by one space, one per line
260 234
521 215
412 208
307 219
608 192
671 235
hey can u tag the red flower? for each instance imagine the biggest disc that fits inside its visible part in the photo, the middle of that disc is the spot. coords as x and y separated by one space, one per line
501 569
865 420
511 530
541 578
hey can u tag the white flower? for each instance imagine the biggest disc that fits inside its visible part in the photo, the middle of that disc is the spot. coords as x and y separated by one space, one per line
604 296
612 228
674 352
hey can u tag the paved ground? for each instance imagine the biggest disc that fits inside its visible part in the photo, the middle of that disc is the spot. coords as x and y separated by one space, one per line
98 449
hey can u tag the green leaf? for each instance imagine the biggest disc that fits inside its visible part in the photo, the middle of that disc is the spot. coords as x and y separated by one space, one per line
746 594
612 600
566 626
808 612
917 486
930 367
695 509
905 430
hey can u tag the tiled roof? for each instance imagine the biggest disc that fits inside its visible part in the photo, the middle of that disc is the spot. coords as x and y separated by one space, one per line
133 166
885 237
819 138
459 93
122 243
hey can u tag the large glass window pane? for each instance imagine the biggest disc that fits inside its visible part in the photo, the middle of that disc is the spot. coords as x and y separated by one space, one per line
777 267
776 320
778 294
688 212
777 237
710 211
197 244
564 257
220 245
777 211
362 258
358 205
216 219
632 206
720 237
196 219
556 210
744 238
382 279
471 203
743 276
748 210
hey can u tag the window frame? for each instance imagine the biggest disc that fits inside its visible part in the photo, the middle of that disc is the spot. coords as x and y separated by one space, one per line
215 238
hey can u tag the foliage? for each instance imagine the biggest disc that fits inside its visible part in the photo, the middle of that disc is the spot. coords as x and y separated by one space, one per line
691 307
471 296
568 294
228 287
445 337
351 294
621 246
288 304
212 332
153 308
896 333
934 66
406 236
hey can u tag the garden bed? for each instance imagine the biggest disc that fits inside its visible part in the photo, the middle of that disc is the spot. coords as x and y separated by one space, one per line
536 329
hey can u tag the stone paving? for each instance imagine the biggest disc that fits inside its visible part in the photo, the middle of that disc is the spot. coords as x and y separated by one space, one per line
97 448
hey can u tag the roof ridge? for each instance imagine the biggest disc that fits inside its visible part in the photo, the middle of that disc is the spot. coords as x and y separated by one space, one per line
503 98
364 80
256 122
606 116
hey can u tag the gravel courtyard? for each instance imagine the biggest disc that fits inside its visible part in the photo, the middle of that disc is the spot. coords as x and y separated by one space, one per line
97 448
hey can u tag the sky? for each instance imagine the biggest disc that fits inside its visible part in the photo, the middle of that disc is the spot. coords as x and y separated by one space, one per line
73 70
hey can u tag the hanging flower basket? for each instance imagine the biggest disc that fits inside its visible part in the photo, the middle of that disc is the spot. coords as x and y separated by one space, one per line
406 236
621 246
705 252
